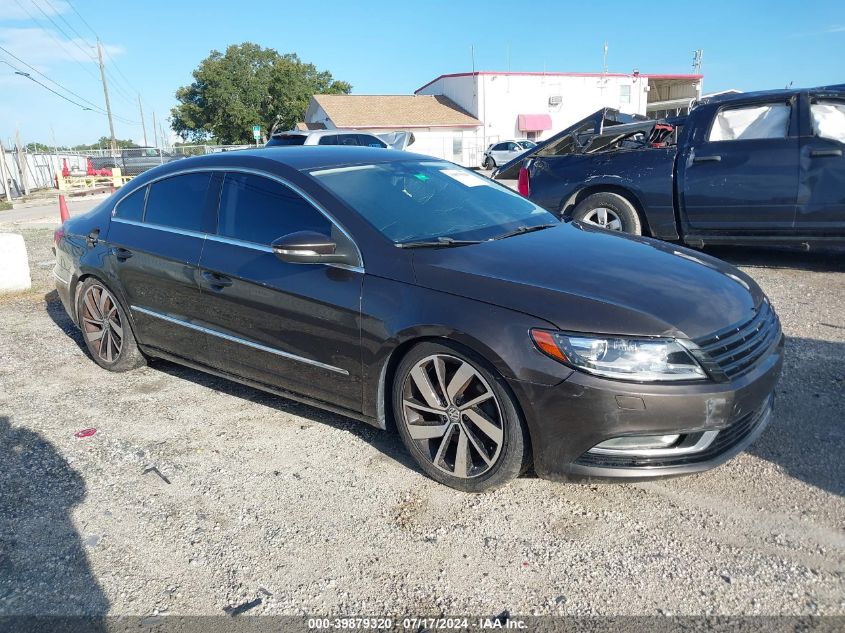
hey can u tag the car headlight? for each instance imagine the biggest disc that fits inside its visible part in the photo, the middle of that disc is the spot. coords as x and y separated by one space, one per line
635 359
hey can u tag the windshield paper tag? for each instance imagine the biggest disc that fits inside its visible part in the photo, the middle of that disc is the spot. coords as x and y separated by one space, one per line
470 180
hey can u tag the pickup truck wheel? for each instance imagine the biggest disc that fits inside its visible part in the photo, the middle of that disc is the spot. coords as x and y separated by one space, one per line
609 211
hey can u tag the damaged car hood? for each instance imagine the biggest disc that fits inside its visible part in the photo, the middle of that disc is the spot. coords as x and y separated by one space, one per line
589 280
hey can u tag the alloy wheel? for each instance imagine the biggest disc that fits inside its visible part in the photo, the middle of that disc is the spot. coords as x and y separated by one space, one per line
101 323
605 218
453 416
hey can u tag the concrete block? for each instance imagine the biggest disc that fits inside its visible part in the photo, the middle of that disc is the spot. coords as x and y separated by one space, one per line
14 264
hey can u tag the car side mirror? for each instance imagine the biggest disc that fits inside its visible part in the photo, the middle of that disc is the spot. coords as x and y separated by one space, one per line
308 247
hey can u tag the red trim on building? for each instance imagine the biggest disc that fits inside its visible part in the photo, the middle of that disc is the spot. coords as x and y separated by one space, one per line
551 74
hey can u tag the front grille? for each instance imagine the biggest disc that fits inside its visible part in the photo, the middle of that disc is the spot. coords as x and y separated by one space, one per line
725 440
737 349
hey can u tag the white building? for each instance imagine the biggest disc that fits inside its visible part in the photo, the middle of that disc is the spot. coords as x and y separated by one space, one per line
537 105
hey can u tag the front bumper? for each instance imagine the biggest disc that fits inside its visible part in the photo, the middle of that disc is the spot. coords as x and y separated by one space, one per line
568 419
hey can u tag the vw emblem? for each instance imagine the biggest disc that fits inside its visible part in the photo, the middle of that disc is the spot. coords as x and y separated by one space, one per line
454 414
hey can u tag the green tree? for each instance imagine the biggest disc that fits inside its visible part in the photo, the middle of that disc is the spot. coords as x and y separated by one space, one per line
245 86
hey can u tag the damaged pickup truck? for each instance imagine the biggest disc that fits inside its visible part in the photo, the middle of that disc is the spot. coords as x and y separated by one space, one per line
763 167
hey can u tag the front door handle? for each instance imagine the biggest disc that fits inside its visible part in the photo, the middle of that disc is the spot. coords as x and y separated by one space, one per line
817 153
707 159
215 280
122 254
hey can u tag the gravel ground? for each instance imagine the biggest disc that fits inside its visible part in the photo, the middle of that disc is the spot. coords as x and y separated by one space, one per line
254 496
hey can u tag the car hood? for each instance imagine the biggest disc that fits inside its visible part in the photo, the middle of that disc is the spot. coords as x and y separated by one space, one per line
585 279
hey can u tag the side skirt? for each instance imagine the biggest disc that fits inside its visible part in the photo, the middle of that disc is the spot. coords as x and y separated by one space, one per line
319 404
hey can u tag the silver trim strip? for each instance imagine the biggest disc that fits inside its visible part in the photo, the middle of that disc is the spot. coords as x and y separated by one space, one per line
703 442
236 339
256 172
161 227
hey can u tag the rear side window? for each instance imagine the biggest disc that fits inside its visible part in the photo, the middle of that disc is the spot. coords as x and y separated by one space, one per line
179 201
501 147
329 139
347 139
132 206
260 210
753 122
829 119
368 140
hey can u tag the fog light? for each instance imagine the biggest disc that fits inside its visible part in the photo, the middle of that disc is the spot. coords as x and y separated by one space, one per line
637 442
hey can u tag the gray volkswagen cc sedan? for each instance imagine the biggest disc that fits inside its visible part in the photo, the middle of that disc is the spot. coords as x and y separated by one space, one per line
408 292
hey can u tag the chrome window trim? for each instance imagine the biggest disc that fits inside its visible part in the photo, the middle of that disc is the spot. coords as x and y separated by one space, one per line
237 339
161 227
221 238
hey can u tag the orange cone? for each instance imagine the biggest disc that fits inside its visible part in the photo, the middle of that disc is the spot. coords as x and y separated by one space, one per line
63 212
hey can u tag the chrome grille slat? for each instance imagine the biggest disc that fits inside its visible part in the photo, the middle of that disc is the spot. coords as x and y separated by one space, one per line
738 348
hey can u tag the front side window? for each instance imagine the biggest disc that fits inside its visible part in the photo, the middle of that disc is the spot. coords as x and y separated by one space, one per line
179 201
256 209
367 140
764 121
411 201
828 119
132 206
347 139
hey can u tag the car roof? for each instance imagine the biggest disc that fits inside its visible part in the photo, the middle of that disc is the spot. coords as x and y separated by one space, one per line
300 157
776 94
316 133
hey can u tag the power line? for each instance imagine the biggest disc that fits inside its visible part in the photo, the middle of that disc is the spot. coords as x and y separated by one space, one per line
84 21
33 68
70 26
62 31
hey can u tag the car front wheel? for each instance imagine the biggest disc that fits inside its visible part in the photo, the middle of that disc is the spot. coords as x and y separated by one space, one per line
458 419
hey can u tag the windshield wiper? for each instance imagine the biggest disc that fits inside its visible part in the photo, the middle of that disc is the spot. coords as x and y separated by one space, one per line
440 241
524 229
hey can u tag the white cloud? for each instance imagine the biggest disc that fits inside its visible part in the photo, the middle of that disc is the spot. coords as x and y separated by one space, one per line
836 28
10 10
41 48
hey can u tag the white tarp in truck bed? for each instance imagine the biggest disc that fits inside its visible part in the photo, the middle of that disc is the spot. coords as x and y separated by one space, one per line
739 124
829 120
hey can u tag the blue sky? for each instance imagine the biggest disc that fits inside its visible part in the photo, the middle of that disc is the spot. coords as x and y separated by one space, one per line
392 47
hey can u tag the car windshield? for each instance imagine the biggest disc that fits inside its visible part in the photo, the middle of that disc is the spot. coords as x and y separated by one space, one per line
414 201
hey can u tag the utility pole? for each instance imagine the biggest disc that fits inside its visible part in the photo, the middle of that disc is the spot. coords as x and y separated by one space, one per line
143 125
155 131
106 93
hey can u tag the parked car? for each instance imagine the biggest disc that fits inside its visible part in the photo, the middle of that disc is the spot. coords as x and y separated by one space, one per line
135 160
400 289
325 137
505 151
755 168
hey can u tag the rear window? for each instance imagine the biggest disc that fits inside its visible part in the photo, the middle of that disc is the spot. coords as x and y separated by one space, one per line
287 139
179 201
132 206
829 119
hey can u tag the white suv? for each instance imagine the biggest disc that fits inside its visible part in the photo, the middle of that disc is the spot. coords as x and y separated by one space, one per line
498 154
324 137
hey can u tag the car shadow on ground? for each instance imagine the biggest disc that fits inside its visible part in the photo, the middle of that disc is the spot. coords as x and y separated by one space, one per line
386 442
807 436
759 257
43 566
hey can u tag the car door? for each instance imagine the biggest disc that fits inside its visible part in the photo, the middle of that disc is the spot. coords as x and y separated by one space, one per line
292 326
821 196
156 236
741 174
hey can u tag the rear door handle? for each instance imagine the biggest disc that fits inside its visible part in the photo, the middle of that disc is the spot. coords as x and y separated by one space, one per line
707 159
122 254
216 280
817 153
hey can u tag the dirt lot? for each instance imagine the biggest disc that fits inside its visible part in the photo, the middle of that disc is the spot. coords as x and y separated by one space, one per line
314 513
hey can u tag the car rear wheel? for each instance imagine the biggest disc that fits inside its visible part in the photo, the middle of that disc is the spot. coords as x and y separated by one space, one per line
489 163
609 211
105 328
458 419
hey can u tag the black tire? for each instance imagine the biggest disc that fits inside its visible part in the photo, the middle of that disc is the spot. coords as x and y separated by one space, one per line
489 163
511 455
627 219
105 328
